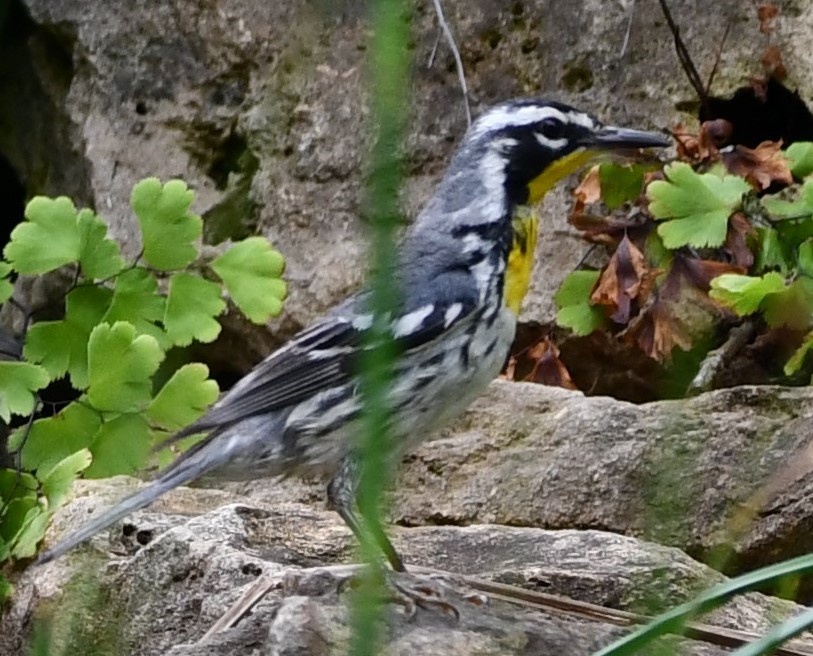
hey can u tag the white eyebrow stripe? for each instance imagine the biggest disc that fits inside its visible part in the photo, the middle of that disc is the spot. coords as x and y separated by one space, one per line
502 117
507 116
585 120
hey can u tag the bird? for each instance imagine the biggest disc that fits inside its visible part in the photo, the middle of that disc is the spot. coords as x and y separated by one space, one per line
462 269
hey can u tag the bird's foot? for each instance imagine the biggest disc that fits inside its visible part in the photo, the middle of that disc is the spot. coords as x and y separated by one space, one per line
414 591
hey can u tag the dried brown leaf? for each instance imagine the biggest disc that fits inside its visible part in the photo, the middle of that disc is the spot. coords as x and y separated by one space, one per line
624 279
715 133
510 369
700 273
704 146
603 229
548 368
688 144
772 63
760 166
657 332
736 243
767 14
589 190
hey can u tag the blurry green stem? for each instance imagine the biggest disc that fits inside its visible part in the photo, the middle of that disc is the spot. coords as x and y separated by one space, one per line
389 73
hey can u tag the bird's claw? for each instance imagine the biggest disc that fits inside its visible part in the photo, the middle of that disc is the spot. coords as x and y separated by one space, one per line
425 595
410 592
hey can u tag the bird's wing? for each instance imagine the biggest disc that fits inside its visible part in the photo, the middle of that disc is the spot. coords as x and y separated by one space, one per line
318 358
325 355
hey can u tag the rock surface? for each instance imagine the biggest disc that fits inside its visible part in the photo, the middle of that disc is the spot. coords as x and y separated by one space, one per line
162 598
682 473
262 109
525 460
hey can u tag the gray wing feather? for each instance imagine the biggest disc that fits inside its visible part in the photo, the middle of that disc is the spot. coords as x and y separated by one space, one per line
305 366
318 358
325 355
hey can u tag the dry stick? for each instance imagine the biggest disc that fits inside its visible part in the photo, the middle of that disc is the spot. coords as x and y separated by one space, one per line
458 61
716 360
434 52
627 33
511 594
717 59
683 55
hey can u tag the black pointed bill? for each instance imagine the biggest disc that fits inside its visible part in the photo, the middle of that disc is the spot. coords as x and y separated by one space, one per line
593 147
611 138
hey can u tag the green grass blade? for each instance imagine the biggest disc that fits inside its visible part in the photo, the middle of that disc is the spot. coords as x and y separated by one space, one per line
675 620
777 636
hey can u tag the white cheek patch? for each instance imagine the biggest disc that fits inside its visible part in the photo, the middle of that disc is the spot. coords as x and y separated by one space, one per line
585 120
492 169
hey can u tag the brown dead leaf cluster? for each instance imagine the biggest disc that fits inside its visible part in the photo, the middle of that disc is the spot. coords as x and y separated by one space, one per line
762 166
605 229
646 300
540 363
625 282
703 147
657 331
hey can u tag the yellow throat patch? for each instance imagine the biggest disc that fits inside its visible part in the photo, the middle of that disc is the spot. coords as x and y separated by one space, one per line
561 168
525 225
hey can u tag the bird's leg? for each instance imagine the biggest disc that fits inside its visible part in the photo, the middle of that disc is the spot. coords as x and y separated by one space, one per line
341 495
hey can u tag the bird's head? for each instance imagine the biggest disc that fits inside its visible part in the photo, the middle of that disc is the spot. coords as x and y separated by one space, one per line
529 145
512 156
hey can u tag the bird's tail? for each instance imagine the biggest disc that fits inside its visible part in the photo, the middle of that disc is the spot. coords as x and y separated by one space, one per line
191 465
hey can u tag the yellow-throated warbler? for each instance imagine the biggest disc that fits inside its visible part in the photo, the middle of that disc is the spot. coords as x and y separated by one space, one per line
463 269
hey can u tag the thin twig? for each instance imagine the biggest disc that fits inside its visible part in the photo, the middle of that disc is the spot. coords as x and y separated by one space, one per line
716 360
461 75
434 52
716 635
683 55
629 30
717 58
584 257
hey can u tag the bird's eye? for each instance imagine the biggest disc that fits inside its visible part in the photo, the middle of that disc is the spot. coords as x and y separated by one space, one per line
551 128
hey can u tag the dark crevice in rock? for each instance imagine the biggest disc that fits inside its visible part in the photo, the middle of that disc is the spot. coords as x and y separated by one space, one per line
37 138
232 169
763 112
12 199
227 159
